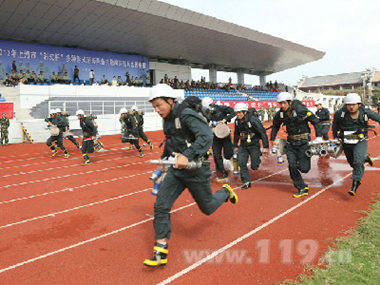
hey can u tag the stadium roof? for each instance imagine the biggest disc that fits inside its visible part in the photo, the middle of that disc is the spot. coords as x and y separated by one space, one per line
151 28
332 80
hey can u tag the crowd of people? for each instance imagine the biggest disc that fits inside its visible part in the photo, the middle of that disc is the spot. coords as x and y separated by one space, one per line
29 76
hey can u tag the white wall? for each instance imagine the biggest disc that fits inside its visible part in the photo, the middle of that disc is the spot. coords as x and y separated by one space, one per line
182 72
107 125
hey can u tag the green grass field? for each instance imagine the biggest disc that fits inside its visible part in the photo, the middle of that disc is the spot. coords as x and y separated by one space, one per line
355 259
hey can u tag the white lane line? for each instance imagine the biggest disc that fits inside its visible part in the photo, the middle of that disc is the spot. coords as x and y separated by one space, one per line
63 166
107 234
72 174
42 151
73 209
42 156
247 235
71 189
85 242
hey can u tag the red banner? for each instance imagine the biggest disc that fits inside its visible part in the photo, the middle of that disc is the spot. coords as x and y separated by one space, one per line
7 107
264 104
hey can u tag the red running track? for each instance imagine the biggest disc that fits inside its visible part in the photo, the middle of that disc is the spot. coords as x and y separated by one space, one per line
66 223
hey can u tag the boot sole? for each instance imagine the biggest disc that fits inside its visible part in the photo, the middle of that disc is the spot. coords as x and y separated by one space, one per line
234 200
300 195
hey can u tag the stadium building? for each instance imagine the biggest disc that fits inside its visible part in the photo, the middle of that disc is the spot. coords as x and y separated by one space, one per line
147 39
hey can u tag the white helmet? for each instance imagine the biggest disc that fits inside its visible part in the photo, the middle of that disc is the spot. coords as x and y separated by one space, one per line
241 107
161 90
79 112
123 111
52 112
284 96
352 98
134 108
206 102
58 110
319 102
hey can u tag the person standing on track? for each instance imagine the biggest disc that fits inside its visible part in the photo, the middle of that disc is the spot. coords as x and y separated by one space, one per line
89 133
219 115
249 130
188 138
350 124
323 115
296 117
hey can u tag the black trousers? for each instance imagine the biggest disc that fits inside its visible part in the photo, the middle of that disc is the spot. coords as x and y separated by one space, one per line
87 147
325 131
298 162
356 155
176 180
219 145
58 140
245 151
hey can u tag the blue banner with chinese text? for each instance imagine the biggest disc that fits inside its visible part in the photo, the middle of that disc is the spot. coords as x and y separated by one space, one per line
36 57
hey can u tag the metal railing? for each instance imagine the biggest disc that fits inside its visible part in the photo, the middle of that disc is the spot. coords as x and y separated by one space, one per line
100 107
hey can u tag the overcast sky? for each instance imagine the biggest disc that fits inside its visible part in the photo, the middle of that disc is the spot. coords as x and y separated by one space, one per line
347 30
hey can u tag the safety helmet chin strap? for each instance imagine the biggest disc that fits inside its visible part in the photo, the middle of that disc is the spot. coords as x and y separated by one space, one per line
170 104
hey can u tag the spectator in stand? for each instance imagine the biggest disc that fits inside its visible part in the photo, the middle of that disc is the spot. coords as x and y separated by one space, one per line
14 67
59 78
120 81
20 74
8 80
91 77
24 79
33 77
53 78
28 76
128 79
66 78
76 74
147 79
166 78
14 76
114 81
104 80
41 78
132 83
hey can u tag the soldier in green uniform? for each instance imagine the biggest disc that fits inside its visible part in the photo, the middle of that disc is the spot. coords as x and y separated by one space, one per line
296 117
350 124
262 113
53 78
249 130
4 122
188 138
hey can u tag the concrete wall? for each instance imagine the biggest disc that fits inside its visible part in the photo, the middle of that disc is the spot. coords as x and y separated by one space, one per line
107 125
160 69
29 96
